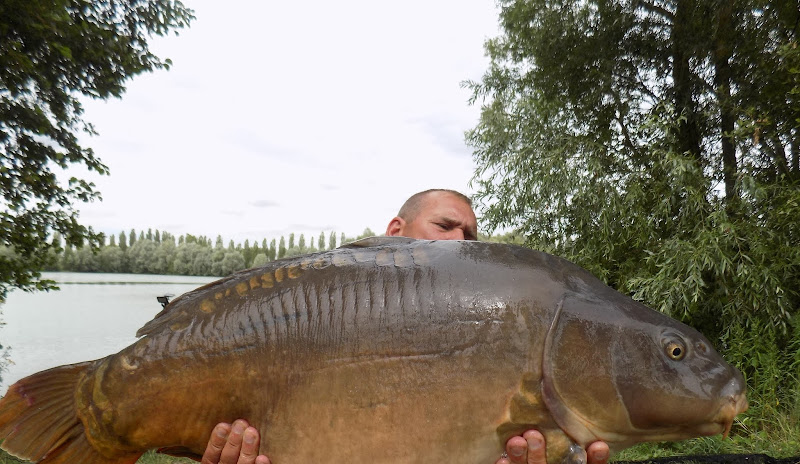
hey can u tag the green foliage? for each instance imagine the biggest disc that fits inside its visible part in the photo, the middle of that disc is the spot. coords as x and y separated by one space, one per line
282 248
52 54
660 149
232 262
510 238
364 234
260 260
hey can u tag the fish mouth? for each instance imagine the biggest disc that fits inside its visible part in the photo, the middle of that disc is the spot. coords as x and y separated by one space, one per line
736 404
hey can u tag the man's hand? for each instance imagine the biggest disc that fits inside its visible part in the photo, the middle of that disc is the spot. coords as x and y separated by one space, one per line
234 444
530 449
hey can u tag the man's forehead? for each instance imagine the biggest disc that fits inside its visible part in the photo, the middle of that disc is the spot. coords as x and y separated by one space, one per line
460 216
434 199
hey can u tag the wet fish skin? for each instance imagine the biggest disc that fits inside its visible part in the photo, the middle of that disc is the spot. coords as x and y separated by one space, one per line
391 350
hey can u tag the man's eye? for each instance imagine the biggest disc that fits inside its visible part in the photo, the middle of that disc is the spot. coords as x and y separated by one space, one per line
443 226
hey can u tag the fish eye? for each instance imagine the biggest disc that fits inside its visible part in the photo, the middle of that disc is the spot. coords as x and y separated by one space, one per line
676 351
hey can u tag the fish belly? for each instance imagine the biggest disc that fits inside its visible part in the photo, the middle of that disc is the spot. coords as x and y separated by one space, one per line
370 408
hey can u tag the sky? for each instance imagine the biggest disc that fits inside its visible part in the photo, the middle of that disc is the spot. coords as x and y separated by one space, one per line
281 117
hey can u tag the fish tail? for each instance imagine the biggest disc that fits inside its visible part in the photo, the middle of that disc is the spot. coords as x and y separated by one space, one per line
39 422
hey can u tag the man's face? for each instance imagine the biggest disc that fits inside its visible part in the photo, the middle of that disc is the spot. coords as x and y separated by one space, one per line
443 216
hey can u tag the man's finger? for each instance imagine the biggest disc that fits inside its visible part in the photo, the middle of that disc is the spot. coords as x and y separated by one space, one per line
233 447
250 441
598 453
517 450
219 436
536 449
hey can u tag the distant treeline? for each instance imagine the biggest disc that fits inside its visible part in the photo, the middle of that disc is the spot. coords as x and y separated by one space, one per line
159 252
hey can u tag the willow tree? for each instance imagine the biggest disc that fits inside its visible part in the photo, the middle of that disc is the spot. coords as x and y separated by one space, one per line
52 54
657 143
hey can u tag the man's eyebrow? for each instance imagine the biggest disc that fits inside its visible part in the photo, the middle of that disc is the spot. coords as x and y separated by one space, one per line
469 233
449 221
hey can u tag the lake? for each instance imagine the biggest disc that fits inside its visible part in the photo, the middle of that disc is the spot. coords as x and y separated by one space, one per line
92 316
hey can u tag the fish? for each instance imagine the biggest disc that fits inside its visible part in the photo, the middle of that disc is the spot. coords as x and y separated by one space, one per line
386 350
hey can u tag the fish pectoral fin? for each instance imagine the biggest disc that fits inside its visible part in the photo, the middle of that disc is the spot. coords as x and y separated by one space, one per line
180 452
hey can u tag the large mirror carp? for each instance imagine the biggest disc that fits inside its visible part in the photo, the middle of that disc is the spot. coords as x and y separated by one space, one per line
389 350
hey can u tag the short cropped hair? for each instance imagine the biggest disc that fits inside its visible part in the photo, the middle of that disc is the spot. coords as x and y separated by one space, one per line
413 205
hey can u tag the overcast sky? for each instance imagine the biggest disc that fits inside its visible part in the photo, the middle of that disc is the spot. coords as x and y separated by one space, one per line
281 117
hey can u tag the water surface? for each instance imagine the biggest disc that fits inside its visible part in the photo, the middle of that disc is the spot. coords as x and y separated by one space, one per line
92 316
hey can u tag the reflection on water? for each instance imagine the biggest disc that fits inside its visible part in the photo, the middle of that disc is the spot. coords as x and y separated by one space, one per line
92 316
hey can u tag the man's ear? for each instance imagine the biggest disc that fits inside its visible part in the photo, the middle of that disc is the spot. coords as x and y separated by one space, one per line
395 227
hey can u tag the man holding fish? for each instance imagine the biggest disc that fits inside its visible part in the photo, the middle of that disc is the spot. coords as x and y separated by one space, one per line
434 214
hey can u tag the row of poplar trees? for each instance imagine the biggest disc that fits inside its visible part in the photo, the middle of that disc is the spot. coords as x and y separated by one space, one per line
161 253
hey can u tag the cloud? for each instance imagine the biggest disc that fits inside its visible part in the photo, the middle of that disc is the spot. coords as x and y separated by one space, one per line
445 131
264 204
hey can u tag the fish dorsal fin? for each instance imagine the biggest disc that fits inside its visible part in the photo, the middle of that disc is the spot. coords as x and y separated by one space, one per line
378 241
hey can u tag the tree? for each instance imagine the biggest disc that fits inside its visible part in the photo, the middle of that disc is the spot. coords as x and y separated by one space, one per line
282 248
216 257
53 54
248 253
291 240
332 241
85 260
164 256
141 257
202 263
260 260
321 241
232 262
656 144
111 259
185 255
167 237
